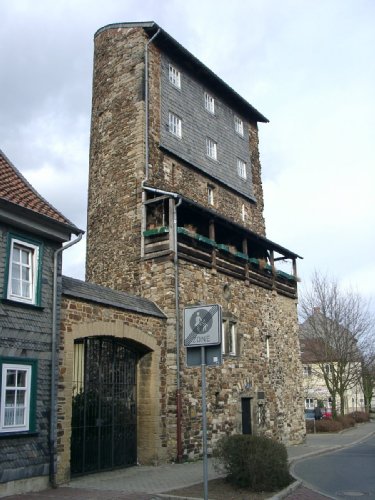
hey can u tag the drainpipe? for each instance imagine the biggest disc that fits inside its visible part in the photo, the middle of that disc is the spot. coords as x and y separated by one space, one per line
175 259
53 411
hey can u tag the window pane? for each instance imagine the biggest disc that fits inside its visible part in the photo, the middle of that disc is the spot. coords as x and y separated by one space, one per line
9 398
20 416
26 290
21 378
8 416
25 257
26 274
21 398
11 378
16 271
16 254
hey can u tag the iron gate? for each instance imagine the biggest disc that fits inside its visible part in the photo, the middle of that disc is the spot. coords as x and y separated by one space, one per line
104 418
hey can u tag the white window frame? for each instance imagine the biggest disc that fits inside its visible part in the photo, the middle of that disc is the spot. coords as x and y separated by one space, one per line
210 195
268 352
238 125
309 403
175 125
229 327
241 169
243 212
209 103
31 268
26 389
211 148
174 76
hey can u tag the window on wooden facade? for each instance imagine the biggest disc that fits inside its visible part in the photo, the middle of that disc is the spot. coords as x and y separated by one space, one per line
17 402
175 125
23 271
211 148
174 76
238 125
241 168
209 103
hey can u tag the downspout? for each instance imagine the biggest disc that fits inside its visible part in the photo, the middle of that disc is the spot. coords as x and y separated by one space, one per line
176 205
53 411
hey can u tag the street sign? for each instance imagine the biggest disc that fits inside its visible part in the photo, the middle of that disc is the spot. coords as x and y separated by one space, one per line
212 356
202 325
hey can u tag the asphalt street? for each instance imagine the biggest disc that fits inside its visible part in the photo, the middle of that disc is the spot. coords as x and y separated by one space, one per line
347 473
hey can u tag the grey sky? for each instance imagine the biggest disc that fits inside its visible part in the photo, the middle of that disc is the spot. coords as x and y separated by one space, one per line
308 66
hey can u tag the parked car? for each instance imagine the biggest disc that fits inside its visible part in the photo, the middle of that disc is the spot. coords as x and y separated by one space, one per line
327 413
309 414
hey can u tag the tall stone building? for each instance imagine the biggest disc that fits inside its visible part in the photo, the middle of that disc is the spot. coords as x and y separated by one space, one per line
175 216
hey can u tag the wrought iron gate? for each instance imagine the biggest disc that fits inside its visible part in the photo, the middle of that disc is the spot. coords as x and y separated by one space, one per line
104 419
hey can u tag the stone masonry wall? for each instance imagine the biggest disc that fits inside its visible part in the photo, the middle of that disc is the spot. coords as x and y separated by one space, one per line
81 319
258 313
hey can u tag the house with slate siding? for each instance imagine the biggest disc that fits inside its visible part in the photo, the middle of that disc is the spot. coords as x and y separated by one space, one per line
32 234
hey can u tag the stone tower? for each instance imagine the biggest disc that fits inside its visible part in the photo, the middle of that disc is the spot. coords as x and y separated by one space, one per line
176 215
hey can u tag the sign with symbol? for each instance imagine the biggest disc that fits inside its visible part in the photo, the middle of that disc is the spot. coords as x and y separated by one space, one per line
202 325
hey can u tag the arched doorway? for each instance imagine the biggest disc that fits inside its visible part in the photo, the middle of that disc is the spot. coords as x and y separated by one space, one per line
104 417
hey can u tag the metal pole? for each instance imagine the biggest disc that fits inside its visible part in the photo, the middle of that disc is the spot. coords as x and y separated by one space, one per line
204 423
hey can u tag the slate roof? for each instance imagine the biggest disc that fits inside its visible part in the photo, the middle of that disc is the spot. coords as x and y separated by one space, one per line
79 289
16 189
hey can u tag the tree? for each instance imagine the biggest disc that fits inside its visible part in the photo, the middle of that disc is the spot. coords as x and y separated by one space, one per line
336 329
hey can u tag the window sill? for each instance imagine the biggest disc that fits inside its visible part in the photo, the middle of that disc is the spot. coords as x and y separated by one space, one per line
20 434
17 303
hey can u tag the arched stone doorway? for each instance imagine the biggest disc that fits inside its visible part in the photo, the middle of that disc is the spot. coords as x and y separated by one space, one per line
104 404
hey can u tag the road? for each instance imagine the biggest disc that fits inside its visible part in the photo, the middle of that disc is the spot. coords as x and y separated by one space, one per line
344 474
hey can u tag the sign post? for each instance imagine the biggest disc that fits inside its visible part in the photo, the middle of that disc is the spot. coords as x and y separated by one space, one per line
202 335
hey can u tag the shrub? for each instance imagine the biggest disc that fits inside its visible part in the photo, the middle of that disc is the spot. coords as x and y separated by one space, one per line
328 425
360 416
346 421
254 462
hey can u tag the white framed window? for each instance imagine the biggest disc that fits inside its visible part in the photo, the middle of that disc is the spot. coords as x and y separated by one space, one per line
229 337
23 271
238 125
309 403
16 411
211 148
174 76
241 168
210 195
328 369
209 103
268 346
175 125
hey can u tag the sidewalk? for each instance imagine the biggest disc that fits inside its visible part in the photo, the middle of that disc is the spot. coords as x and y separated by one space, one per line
147 482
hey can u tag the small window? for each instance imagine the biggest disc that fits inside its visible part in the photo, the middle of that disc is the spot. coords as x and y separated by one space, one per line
309 403
209 103
268 346
174 124
211 148
17 405
243 212
241 168
229 337
210 195
238 125
174 76
328 369
23 271
307 370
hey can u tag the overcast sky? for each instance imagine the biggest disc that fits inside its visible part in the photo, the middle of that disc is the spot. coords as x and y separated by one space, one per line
307 65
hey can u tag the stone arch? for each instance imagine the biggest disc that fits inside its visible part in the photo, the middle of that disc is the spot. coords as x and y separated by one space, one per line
148 386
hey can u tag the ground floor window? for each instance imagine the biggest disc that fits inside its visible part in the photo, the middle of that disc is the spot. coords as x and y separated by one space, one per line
309 403
17 406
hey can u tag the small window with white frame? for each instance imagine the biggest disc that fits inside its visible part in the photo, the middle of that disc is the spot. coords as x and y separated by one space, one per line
243 212
23 271
17 399
210 195
229 337
238 125
241 169
309 403
211 148
209 103
307 371
174 76
175 125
